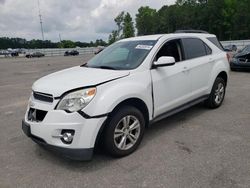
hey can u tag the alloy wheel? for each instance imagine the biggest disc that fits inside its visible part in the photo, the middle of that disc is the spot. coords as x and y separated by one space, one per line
127 132
219 93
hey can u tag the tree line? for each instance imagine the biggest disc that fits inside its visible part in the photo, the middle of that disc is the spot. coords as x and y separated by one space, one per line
228 19
15 43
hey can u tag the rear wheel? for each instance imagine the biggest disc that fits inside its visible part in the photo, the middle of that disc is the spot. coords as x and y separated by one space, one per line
217 94
124 131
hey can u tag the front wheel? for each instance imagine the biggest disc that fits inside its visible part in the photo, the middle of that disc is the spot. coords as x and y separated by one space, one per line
217 94
124 131
233 69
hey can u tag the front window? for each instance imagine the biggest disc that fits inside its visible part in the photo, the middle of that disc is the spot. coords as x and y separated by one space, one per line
125 55
171 48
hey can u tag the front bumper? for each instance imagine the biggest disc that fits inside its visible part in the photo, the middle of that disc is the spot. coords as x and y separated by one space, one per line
240 65
55 121
45 125
75 154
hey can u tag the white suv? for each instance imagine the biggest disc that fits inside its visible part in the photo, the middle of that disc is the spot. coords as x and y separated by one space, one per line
125 88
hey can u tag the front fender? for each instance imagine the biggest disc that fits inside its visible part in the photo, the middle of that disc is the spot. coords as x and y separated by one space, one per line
109 95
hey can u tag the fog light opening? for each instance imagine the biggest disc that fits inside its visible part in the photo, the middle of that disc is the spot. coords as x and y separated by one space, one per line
67 136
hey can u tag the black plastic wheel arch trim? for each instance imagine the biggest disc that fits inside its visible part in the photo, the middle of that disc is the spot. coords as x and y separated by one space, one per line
86 116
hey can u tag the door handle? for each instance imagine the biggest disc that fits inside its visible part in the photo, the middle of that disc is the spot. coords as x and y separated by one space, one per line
211 59
185 69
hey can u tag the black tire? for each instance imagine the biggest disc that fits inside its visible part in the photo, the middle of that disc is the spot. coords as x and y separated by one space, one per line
110 142
215 101
233 69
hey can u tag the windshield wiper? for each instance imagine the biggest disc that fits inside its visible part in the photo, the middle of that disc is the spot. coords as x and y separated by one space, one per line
84 65
105 67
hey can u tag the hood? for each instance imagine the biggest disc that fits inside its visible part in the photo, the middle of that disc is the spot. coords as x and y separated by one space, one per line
242 54
60 82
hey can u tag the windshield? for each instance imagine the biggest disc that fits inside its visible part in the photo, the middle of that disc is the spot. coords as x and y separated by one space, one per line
122 55
246 49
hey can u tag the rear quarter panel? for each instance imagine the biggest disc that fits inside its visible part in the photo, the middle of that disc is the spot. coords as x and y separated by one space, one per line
221 64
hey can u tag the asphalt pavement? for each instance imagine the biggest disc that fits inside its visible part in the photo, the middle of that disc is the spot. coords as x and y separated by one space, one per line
195 148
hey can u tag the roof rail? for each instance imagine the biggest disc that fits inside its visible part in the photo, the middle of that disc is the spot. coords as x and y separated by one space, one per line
191 31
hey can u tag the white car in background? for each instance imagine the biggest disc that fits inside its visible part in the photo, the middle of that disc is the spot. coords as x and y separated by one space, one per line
98 49
125 88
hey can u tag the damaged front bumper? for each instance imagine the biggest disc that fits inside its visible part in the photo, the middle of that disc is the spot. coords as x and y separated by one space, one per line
74 154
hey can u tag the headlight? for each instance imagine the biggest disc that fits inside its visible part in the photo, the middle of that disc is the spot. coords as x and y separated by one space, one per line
76 100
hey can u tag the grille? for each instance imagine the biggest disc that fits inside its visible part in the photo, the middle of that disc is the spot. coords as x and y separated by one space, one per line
244 60
36 115
43 97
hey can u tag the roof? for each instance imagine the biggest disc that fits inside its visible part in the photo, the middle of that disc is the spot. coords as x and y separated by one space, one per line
190 31
145 37
170 35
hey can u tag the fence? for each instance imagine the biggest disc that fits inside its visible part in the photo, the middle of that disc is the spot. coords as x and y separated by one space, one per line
82 51
61 51
50 52
239 43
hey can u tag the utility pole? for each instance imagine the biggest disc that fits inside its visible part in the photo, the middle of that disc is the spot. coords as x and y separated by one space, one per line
60 37
40 17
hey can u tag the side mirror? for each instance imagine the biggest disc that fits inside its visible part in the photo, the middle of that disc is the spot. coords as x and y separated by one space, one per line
164 61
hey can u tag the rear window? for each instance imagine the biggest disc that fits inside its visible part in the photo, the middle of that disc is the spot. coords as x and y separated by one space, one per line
194 48
215 41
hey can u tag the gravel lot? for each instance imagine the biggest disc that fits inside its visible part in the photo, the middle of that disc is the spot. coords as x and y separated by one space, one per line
195 148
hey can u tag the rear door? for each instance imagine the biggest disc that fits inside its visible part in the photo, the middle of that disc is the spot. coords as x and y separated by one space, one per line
199 59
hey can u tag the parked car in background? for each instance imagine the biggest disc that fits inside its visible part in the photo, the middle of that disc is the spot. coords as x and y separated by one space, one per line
71 53
231 51
6 53
21 50
34 54
14 54
230 48
99 49
241 60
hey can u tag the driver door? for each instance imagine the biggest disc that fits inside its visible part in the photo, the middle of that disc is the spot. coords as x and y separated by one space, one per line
171 84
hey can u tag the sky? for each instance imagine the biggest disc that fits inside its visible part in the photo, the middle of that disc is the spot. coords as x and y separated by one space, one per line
77 20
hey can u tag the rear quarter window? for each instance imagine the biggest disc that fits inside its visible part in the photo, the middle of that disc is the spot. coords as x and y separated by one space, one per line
208 50
194 48
215 41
